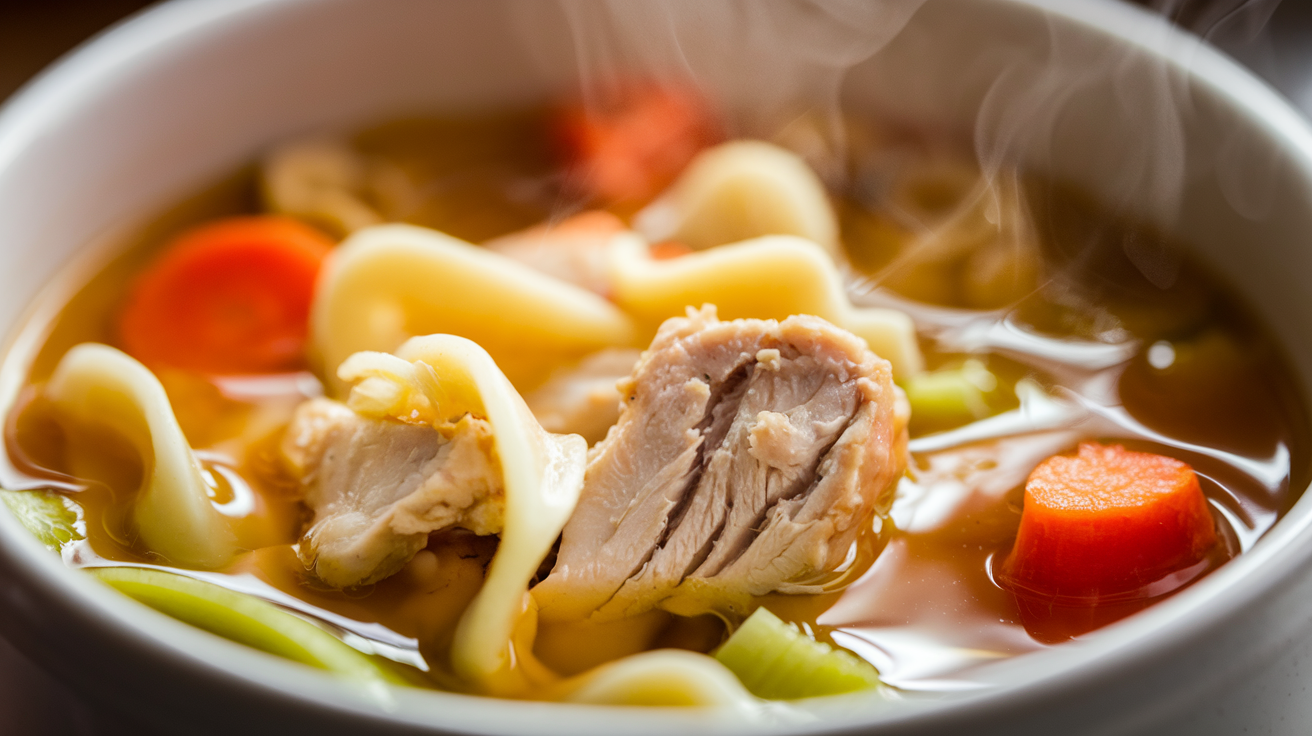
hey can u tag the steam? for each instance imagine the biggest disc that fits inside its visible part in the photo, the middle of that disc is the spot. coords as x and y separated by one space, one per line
779 68
1229 24
1240 28
1034 108
1044 113
762 58
768 63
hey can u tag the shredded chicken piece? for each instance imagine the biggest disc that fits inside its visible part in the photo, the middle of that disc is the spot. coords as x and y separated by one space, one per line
378 487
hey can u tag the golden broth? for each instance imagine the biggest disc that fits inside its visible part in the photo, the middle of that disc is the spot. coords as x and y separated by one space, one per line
925 608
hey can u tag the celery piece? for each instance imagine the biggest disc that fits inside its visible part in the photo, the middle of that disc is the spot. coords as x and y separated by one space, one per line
953 396
244 619
775 660
50 517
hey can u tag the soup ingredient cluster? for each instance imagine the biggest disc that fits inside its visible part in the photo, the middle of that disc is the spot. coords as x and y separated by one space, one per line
748 457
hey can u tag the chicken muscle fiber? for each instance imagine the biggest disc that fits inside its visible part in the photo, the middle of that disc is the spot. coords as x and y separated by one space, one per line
748 456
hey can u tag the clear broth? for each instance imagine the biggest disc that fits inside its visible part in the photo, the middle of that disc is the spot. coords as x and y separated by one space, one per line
925 611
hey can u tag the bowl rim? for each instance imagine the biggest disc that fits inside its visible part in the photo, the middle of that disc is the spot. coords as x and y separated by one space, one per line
1167 627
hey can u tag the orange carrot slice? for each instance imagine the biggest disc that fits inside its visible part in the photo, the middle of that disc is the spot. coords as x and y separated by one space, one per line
231 296
1108 521
633 147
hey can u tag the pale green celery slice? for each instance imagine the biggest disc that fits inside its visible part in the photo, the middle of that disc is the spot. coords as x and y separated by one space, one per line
953 395
775 660
50 517
246 620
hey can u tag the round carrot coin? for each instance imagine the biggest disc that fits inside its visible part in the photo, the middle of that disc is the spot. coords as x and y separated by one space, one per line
231 296
1108 521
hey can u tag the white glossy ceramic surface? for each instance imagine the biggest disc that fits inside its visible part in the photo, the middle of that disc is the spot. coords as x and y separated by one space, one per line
187 91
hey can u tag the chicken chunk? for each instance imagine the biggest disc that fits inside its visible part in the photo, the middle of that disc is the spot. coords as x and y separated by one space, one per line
378 487
747 458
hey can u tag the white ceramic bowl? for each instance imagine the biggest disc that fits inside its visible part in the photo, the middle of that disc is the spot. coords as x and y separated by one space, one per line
1097 92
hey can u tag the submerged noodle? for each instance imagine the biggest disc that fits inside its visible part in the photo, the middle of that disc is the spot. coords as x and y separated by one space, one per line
96 384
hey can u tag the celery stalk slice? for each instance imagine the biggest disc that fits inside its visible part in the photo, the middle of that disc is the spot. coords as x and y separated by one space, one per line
775 660
244 619
952 396
50 517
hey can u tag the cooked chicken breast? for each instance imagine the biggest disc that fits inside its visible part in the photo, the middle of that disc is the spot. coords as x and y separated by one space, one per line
378 487
747 458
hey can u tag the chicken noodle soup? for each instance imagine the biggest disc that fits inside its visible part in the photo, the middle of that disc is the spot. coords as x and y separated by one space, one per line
536 405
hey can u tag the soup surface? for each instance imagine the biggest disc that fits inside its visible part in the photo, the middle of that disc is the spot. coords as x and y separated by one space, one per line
1037 328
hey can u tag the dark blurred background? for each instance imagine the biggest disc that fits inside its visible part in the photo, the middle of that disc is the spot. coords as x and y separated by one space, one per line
1273 38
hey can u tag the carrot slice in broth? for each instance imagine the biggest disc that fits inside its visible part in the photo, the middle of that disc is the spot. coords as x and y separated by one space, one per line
231 296
634 146
1108 521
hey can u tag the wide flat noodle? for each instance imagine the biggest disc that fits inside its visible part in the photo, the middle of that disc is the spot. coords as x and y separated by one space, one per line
444 377
665 677
740 190
388 283
771 277
98 385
